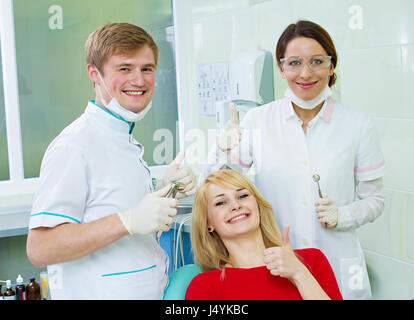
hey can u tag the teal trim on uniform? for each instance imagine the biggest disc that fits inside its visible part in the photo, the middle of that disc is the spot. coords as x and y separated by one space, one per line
54 214
131 127
131 124
126 272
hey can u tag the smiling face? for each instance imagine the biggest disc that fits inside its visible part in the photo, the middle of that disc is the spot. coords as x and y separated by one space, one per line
306 84
232 211
236 213
128 78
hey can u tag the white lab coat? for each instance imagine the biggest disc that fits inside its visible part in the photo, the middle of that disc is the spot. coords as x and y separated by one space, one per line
93 169
342 147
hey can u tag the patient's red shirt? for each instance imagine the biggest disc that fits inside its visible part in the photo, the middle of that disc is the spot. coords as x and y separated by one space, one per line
258 284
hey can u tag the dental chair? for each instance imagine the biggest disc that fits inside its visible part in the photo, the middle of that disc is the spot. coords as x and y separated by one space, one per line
179 281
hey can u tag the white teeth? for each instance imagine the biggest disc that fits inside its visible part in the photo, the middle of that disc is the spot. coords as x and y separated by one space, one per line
238 217
134 93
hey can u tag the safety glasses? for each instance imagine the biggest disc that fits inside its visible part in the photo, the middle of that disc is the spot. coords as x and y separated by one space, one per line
315 63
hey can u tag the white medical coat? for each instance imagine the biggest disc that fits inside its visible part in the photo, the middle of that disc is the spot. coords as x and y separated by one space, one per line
341 146
93 169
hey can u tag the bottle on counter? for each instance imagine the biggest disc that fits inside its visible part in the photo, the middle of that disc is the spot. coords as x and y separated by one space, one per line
9 294
33 290
20 289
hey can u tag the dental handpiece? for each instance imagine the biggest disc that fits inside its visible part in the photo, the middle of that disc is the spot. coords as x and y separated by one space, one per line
316 178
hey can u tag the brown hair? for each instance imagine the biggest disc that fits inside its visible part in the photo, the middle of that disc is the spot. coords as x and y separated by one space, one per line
209 250
307 29
116 38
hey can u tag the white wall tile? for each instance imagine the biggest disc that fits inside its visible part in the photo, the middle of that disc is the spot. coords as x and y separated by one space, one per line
407 227
245 30
273 19
408 79
390 278
368 233
384 23
389 22
390 233
308 10
371 81
397 143
203 8
212 36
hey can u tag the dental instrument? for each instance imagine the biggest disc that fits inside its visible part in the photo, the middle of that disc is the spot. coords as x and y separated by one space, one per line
175 188
316 178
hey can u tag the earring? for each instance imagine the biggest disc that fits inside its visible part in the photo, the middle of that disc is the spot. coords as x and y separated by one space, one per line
210 229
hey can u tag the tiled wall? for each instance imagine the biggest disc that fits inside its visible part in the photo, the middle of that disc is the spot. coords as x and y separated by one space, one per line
375 42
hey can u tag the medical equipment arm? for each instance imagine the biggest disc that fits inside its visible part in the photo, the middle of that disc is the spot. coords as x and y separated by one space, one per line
369 206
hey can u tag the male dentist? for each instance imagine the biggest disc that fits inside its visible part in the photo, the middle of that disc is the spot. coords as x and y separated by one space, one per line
95 215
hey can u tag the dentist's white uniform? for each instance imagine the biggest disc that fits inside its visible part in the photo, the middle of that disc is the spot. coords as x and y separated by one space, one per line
340 145
93 169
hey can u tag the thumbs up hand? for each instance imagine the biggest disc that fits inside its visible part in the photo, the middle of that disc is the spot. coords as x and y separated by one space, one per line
231 135
175 173
282 261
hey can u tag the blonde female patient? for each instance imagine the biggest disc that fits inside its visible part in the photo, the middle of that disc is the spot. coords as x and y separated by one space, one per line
241 252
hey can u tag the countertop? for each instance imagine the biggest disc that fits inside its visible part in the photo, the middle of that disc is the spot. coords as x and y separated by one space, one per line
15 214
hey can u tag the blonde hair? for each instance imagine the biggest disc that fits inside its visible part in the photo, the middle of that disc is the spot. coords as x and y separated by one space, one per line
116 38
209 250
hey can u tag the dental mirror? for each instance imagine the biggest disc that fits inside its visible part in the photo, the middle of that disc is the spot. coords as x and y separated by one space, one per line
316 178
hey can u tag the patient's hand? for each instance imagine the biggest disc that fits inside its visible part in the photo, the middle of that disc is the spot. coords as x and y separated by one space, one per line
282 261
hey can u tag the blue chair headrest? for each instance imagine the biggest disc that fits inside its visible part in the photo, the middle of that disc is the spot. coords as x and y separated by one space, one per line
179 281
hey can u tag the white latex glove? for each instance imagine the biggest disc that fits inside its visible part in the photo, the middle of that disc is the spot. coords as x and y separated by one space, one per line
185 175
282 261
153 213
327 212
232 133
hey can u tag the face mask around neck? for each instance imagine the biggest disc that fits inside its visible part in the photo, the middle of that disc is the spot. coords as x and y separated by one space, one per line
309 104
114 106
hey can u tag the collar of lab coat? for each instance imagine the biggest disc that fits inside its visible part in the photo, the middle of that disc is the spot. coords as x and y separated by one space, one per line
325 113
108 119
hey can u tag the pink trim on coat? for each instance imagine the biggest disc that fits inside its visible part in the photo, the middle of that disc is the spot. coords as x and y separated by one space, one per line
327 115
370 168
234 158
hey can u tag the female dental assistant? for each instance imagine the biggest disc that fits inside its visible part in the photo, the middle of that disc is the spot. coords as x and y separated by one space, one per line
290 140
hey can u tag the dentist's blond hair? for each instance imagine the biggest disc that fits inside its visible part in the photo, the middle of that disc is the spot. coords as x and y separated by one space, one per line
117 38
209 250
